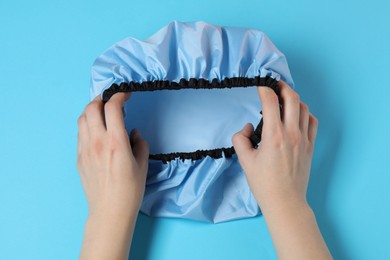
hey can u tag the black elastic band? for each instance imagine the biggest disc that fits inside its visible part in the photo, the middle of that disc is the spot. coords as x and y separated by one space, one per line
236 82
214 153
196 84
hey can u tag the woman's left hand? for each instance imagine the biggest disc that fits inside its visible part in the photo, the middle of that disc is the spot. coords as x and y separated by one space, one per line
113 170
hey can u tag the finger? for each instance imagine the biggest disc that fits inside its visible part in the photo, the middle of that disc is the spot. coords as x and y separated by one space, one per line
242 144
94 116
82 136
304 117
140 148
270 108
313 126
114 114
291 105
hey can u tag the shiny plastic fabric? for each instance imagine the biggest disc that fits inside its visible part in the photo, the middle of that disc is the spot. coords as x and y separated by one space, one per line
185 120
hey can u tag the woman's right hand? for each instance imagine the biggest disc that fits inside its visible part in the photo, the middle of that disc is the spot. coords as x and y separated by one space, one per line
278 173
278 170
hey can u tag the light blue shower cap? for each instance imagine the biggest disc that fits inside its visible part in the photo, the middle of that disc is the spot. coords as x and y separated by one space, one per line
193 172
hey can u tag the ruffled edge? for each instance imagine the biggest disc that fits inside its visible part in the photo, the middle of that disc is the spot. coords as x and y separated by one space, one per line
194 83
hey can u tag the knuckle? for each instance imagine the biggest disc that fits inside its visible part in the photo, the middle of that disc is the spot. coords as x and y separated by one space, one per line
304 107
278 144
116 139
81 119
314 120
235 137
271 101
273 98
110 106
97 147
278 137
91 107
295 97
295 138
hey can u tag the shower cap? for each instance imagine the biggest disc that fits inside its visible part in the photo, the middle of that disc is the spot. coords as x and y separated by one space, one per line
193 86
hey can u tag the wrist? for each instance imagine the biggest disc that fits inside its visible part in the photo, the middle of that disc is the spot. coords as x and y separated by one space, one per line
112 214
109 222
285 203
113 226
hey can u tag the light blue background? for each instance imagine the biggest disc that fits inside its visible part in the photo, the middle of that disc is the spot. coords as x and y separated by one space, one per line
339 56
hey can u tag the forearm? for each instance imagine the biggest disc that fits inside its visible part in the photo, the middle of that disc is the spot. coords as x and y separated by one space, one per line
108 236
295 232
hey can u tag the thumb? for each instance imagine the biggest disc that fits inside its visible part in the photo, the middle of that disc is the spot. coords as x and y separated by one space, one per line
242 143
140 147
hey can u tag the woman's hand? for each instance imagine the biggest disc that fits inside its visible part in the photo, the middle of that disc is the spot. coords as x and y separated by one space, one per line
113 171
278 173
